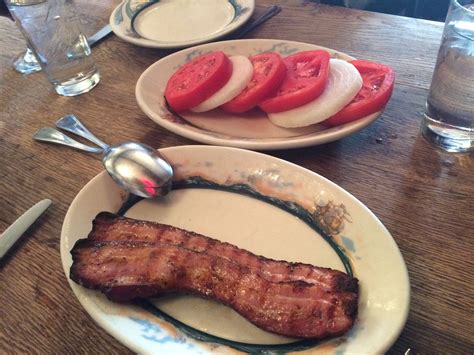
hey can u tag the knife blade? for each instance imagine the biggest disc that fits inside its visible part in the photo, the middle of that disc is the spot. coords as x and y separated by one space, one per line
99 35
16 230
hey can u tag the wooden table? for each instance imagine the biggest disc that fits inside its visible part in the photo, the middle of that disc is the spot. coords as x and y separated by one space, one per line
424 196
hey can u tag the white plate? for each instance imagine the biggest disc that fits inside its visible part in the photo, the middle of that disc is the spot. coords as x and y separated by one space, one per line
178 23
227 212
251 130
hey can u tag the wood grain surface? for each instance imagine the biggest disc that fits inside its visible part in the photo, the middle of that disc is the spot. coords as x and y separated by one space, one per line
424 196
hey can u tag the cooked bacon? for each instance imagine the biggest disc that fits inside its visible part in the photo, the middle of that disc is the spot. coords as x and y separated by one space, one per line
110 227
125 270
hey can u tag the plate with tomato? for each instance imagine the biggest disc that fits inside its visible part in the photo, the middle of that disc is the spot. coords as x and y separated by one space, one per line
264 94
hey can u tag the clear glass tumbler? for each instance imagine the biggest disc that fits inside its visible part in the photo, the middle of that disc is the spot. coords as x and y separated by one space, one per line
26 63
53 32
448 120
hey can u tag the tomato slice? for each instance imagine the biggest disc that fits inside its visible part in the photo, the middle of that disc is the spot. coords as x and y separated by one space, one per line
268 74
378 80
305 80
197 80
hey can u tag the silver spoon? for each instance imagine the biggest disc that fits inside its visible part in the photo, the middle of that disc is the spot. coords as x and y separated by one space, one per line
135 167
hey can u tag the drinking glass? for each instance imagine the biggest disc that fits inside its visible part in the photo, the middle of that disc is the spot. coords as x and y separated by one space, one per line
26 63
448 120
54 34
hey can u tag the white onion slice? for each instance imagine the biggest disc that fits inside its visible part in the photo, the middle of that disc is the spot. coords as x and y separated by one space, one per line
242 72
344 82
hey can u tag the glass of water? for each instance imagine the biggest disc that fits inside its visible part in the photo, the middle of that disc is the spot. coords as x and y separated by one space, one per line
448 120
26 63
53 32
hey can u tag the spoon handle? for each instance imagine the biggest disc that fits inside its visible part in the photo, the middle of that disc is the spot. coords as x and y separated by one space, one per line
72 124
52 135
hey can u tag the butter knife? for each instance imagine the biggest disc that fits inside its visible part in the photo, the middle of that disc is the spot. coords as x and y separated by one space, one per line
16 230
99 35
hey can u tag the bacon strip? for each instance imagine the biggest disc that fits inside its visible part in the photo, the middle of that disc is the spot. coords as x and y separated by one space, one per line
125 270
110 227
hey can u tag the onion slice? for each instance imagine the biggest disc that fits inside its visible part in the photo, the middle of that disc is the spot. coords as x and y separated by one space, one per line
242 72
344 82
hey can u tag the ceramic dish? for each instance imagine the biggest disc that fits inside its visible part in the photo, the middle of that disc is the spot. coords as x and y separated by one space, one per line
251 130
270 207
178 23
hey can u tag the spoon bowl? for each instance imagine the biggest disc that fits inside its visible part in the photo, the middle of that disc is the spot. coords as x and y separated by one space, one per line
139 169
135 167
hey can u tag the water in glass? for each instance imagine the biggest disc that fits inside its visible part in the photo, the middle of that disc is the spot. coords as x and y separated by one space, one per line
53 31
449 114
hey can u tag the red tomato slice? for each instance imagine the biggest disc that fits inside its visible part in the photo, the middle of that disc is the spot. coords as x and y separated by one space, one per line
305 80
268 74
197 80
377 87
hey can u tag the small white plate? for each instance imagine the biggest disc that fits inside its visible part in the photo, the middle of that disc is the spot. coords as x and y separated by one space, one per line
250 130
178 23
265 205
